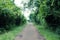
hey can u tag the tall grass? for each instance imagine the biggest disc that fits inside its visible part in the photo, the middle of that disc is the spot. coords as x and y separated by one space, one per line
11 34
47 34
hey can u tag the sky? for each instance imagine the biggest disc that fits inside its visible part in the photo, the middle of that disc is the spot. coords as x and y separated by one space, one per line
19 3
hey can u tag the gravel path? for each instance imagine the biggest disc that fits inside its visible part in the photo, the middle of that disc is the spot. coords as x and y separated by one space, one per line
29 33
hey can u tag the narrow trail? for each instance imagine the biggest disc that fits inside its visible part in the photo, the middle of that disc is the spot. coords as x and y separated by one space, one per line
29 33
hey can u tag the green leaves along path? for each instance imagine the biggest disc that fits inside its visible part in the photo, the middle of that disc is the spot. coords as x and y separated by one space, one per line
11 34
47 14
10 15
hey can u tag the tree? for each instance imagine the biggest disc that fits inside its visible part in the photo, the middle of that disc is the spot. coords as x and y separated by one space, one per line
10 15
48 13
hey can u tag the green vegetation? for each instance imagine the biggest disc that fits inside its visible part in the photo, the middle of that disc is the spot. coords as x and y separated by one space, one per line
47 14
11 20
47 34
11 34
10 15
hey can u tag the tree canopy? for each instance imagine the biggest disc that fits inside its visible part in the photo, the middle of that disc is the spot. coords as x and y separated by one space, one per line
10 14
48 14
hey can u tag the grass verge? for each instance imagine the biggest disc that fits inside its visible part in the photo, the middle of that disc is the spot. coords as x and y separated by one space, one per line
11 34
47 34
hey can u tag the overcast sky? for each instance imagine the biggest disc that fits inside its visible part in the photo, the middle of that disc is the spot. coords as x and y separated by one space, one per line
19 3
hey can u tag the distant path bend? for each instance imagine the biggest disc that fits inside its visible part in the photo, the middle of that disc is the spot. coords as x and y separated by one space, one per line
29 33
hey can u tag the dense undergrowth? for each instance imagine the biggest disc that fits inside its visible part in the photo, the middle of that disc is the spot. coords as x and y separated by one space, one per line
12 34
47 14
10 16
47 34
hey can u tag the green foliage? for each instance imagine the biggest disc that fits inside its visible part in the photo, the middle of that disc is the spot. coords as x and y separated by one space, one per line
47 34
48 14
11 34
10 15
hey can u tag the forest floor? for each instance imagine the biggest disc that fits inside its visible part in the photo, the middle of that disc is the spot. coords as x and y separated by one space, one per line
29 33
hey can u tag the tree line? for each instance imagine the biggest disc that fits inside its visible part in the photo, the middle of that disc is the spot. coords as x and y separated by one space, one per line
10 15
47 14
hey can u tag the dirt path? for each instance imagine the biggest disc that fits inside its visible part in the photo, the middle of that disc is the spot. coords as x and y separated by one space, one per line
29 33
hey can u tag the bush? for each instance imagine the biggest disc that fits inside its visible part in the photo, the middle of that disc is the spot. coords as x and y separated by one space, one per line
52 21
7 18
48 13
10 15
